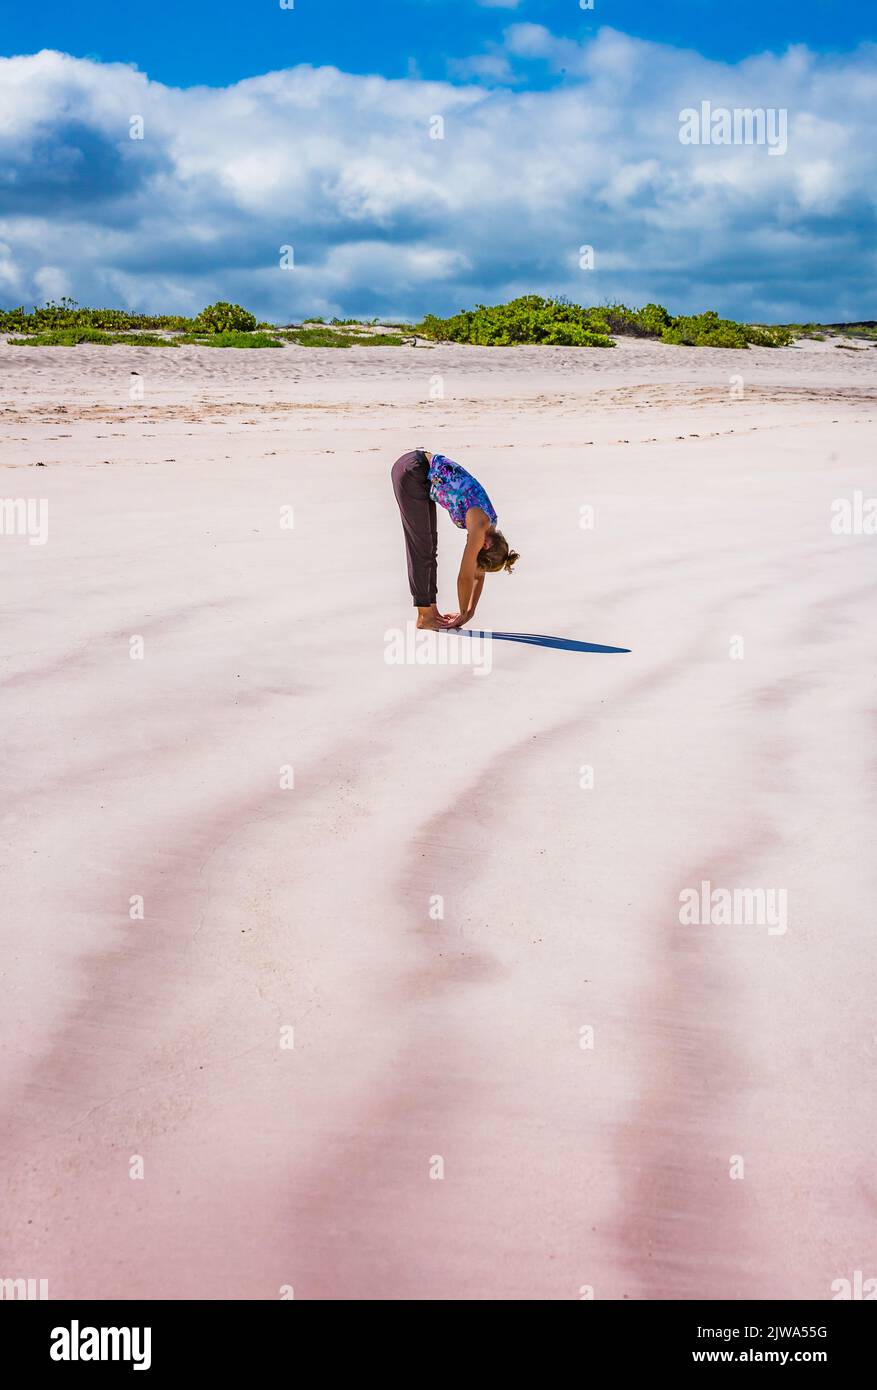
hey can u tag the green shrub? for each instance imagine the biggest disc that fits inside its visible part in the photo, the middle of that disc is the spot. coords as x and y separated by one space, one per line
230 339
528 319
67 314
533 319
726 335
619 319
224 318
653 319
853 330
648 322
327 337
760 336
708 330
71 337
705 330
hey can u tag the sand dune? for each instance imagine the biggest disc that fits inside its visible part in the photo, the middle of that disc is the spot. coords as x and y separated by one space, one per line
441 903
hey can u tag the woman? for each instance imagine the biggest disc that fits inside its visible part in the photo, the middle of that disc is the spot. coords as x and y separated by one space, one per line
420 479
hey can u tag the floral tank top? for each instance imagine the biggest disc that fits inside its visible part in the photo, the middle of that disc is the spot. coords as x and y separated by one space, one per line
456 490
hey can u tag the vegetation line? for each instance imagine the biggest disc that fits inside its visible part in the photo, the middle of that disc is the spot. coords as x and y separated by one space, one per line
529 319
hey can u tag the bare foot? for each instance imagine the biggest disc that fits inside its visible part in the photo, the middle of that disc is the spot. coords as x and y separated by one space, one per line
431 620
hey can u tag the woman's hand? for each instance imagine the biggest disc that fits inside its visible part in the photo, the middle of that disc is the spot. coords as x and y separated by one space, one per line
434 621
458 619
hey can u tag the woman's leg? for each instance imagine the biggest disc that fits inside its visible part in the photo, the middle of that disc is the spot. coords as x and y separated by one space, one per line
411 486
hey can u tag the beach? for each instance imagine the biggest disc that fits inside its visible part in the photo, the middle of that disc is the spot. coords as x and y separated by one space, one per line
330 976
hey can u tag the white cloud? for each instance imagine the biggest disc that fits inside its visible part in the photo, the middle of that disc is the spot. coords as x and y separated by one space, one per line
535 41
52 282
384 218
493 67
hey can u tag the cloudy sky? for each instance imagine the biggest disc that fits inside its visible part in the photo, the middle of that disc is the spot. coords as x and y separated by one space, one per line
314 128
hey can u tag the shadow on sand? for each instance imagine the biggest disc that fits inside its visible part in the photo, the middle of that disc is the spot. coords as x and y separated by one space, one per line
536 639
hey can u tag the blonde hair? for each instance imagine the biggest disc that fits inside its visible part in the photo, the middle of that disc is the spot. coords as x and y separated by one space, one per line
498 556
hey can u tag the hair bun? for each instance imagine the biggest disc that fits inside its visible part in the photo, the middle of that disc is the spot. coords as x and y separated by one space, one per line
511 560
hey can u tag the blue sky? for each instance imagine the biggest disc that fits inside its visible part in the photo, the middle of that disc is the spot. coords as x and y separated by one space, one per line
266 128
186 42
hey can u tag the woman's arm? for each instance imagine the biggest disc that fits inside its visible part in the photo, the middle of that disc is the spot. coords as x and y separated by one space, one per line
467 577
470 580
476 592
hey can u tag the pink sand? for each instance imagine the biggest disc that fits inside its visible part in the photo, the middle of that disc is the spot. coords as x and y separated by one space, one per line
419 1037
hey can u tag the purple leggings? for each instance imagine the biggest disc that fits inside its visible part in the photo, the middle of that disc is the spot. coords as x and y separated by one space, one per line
411 486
